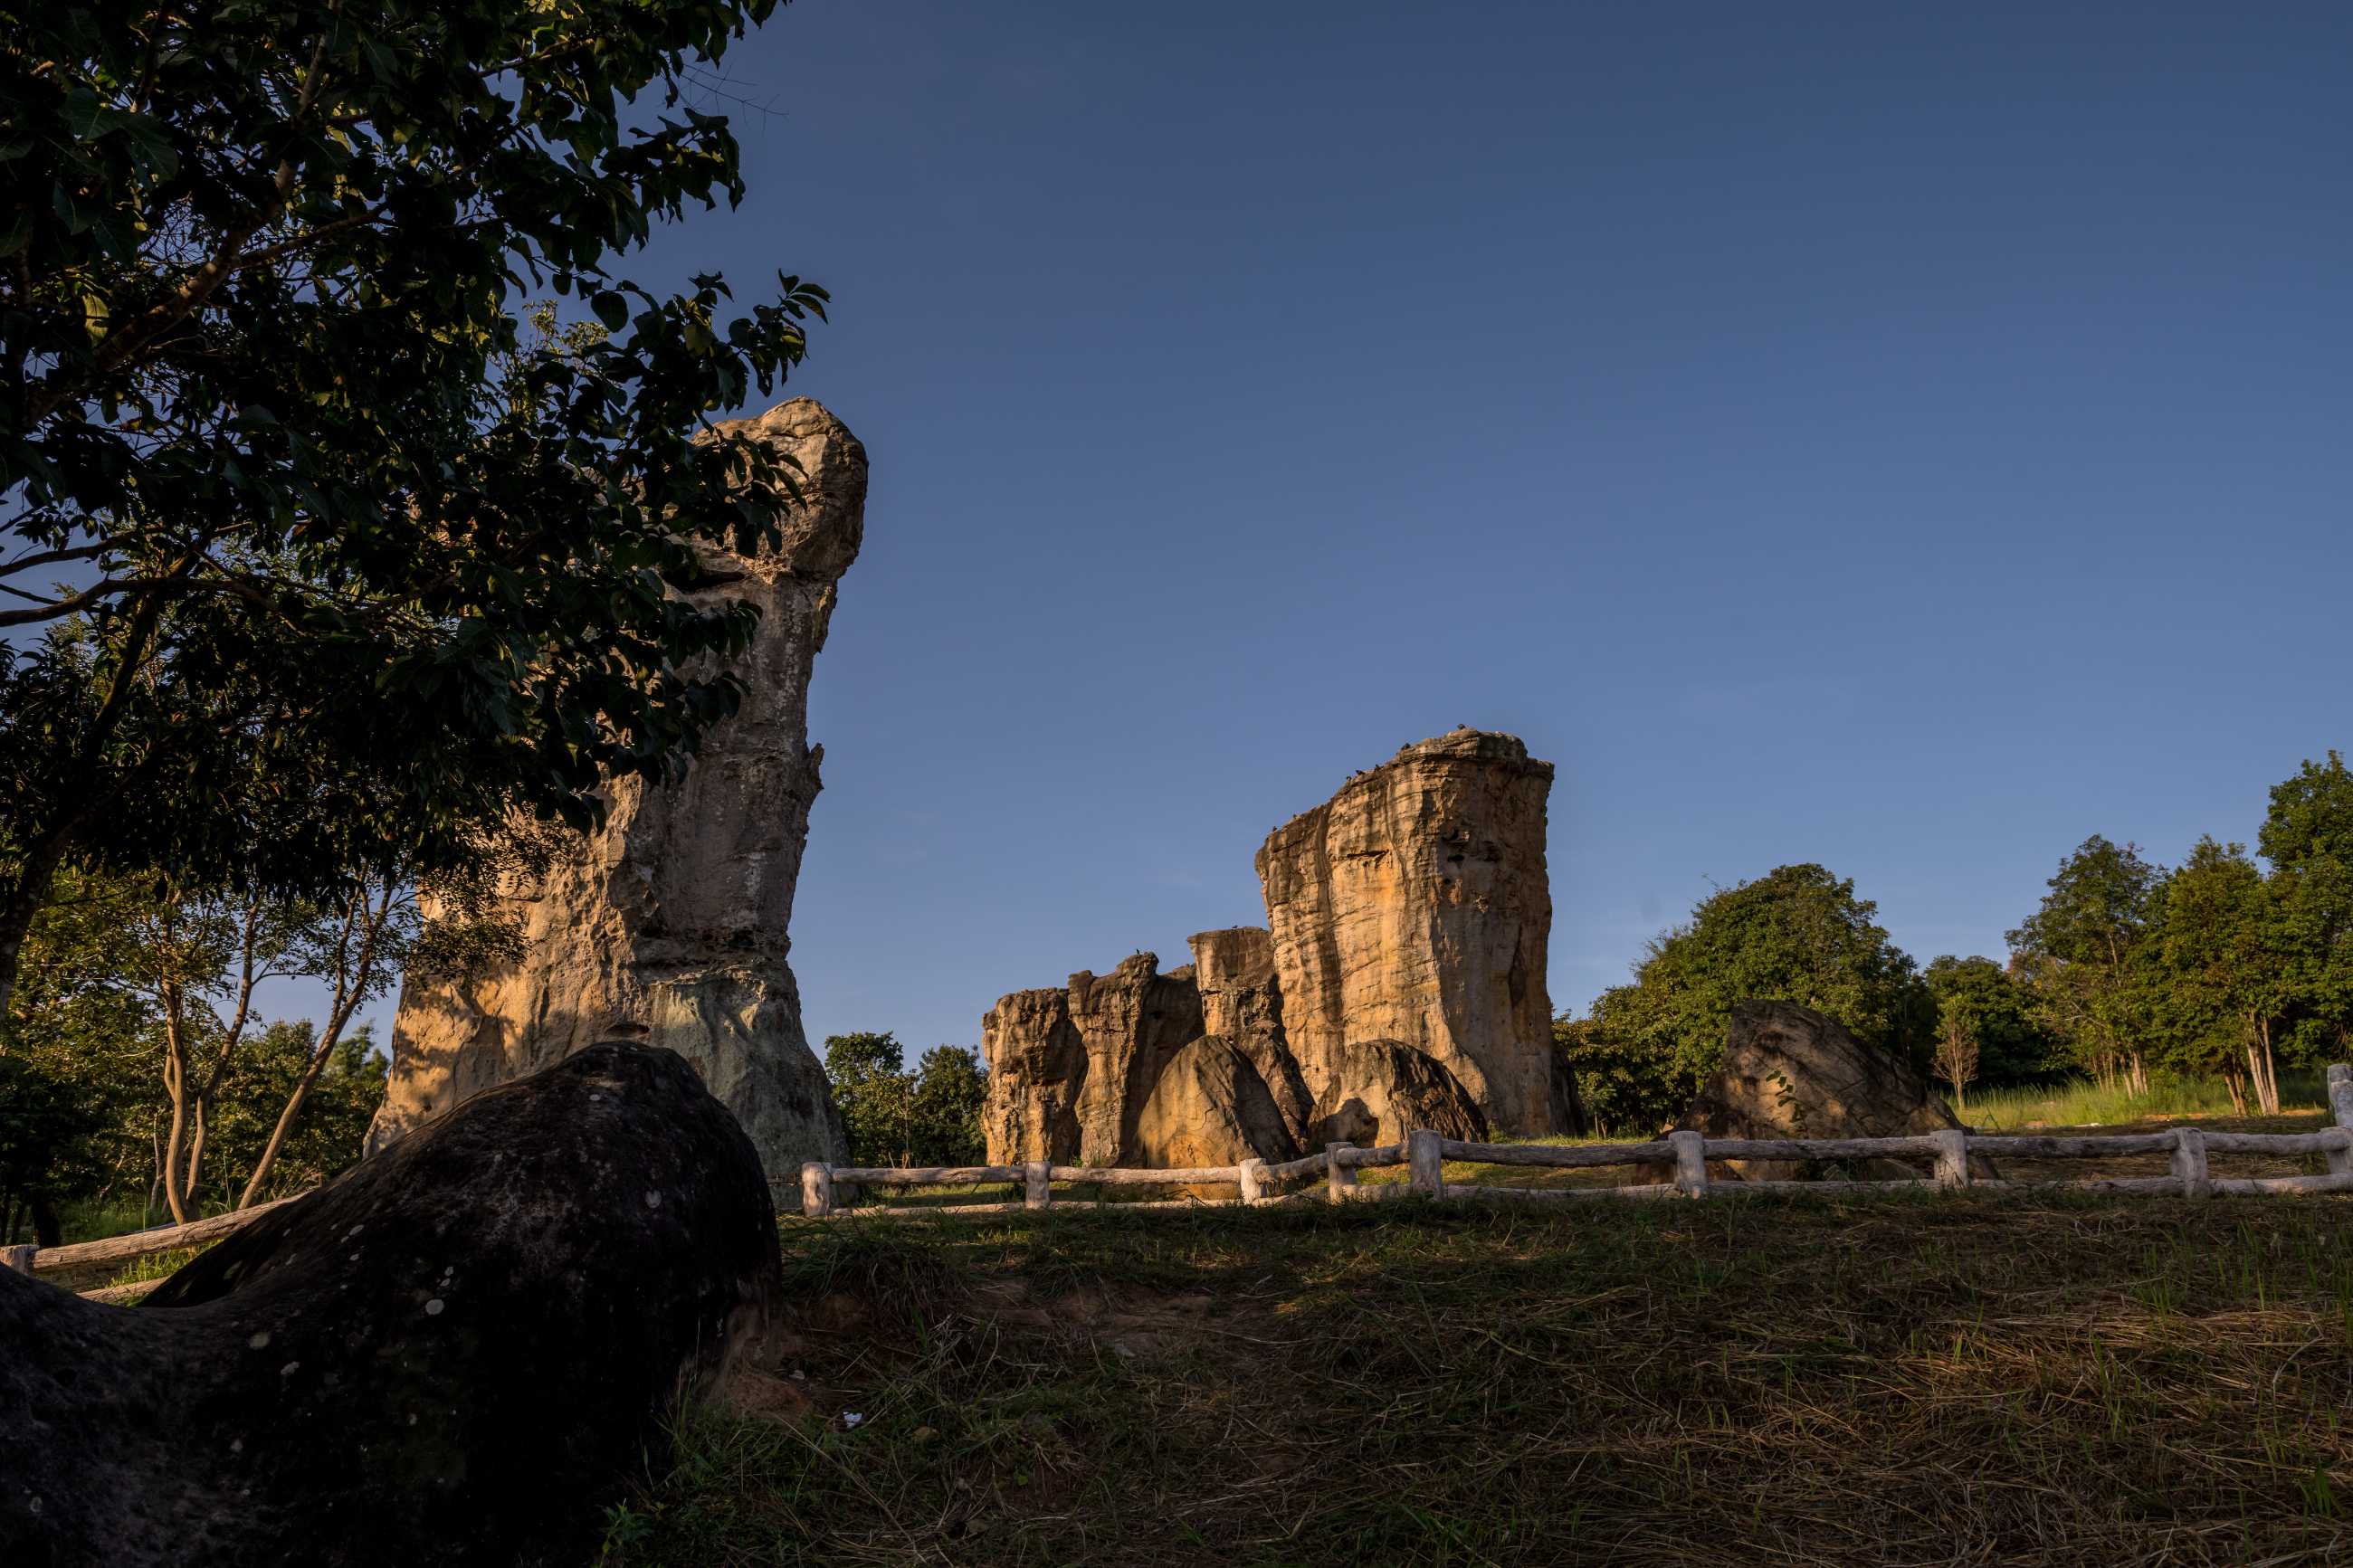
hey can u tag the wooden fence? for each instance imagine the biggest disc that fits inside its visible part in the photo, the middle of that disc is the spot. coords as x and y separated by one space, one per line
1425 1153
138 1244
1258 1183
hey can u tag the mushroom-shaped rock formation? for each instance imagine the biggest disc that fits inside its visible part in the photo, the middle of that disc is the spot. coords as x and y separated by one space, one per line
667 924
453 1353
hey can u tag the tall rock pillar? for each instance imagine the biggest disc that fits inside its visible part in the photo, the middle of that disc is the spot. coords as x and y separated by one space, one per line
1413 906
668 925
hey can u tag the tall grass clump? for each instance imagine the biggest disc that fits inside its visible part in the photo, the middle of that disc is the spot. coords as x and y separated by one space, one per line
2080 1102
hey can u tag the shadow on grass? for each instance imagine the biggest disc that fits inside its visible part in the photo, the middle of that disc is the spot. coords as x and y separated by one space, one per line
1909 1379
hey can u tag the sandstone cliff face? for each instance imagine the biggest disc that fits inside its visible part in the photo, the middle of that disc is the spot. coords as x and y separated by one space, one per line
1078 1064
668 925
1402 985
1414 907
1241 1003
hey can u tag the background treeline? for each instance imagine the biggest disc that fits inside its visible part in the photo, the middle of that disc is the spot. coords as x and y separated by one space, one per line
2227 966
138 1081
927 1115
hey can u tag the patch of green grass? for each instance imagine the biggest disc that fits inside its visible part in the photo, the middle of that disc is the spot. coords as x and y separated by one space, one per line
1917 1378
2083 1103
88 1219
153 1266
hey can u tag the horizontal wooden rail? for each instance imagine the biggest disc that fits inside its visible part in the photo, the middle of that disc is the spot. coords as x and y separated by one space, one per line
138 1243
927 1177
1566 1156
1946 1154
1118 1176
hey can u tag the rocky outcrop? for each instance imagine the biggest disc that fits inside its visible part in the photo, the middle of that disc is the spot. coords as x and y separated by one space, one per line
668 925
1241 1003
1070 1069
1401 985
1414 906
1209 1107
1791 1072
459 1351
1388 1088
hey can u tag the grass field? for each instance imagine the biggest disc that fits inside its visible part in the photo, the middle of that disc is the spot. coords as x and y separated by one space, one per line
1886 1380
2081 1103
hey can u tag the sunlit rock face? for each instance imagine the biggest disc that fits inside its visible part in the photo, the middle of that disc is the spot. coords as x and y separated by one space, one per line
667 926
1400 983
1414 907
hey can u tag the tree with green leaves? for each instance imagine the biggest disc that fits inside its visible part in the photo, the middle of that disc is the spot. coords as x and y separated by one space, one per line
930 1115
946 1101
323 564
1995 1007
1798 934
873 1091
2308 837
2081 952
2222 980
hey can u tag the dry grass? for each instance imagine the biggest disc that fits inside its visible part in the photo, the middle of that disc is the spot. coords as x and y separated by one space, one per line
1906 1379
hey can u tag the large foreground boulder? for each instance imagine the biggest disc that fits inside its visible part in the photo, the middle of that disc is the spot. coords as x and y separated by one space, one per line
454 1353
1791 1072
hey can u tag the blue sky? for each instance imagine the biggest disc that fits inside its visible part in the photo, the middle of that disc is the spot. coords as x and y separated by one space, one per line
1905 438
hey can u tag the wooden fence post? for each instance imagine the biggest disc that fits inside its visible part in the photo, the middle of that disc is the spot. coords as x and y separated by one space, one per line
19 1258
1952 1157
1252 1175
2189 1162
1037 1187
817 1190
1338 1178
1691 1162
2340 1102
1422 1158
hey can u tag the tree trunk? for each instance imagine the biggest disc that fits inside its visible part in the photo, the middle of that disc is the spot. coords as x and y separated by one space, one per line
328 1040
199 1121
2259 1068
2271 1073
2237 1085
175 1084
278 1135
353 974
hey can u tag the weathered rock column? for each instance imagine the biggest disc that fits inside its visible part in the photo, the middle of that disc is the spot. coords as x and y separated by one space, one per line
1413 906
667 926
